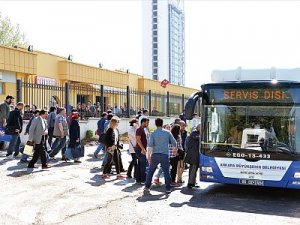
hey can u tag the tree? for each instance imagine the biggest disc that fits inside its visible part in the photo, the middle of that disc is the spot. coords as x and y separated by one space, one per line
10 34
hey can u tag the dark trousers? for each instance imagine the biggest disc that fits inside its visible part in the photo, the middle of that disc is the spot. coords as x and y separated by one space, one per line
110 159
132 164
193 174
39 152
140 168
50 135
173 163
120 161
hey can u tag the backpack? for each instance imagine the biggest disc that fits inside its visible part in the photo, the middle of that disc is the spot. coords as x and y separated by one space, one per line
102 138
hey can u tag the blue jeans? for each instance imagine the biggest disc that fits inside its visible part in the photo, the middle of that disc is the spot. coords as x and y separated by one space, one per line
105 157
59 143
163 160
99 148
159 173
14 145
140 167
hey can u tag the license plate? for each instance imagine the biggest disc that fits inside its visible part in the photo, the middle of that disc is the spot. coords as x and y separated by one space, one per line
252 182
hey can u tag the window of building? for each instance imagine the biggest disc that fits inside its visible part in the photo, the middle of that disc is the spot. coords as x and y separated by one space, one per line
154 20
154 39
154 7
155 33
155 58
154 45
154 26
155 64
154 13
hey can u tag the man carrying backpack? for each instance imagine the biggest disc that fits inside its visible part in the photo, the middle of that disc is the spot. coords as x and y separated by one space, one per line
100 130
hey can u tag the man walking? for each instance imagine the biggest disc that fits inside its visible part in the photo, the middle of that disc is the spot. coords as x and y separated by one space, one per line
192 155
37 135
14 128
100 130
4 110
158 153
35 115
140 151
51 122
60 132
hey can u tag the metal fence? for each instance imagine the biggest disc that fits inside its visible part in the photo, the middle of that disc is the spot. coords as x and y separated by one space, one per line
92 100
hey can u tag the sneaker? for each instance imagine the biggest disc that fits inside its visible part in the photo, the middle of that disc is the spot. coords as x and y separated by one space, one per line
77 161
95 155
46 167
23 161
174 184
129 176
192 186
105 176
168 192
9 157
146 191
180 182
32 167
156 181
120 177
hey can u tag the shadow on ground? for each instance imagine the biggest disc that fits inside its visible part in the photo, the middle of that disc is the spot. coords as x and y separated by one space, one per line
248 199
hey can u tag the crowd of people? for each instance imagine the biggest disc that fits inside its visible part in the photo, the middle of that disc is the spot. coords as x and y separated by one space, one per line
168 149
90 110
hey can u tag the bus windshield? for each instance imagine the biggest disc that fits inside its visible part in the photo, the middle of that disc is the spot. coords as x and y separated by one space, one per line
255 128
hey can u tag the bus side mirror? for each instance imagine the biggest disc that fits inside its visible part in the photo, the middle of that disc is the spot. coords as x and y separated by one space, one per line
191 104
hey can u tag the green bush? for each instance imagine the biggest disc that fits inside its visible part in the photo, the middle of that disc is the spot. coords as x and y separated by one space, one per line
89 134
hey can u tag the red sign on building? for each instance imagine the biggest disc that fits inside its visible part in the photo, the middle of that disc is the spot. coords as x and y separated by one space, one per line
164 83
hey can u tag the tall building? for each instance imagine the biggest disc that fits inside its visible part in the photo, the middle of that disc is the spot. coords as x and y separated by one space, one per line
163 40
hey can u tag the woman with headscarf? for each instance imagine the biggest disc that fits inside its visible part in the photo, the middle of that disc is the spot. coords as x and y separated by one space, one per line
174 158
74 131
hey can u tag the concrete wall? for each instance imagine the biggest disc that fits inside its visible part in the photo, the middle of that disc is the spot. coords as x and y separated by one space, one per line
91 124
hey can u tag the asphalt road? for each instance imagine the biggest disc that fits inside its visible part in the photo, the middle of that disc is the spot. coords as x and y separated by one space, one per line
76 194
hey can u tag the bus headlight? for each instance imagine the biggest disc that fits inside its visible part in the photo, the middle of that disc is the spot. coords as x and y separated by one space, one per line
297 175
207 169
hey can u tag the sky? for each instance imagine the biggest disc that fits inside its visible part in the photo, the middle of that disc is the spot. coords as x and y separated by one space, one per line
219 35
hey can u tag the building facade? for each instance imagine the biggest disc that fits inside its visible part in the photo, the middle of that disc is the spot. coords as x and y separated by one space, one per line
44 76
164 40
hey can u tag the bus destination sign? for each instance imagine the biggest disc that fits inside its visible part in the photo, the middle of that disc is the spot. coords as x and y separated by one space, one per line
249 96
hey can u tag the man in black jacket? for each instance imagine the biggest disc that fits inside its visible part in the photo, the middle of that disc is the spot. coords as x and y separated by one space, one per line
14 128
192 155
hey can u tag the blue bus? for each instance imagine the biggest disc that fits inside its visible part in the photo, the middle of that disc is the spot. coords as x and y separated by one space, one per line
250 132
